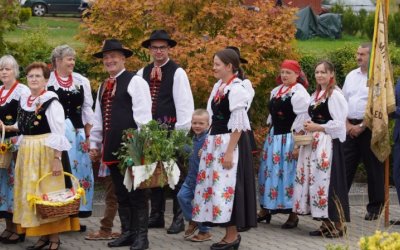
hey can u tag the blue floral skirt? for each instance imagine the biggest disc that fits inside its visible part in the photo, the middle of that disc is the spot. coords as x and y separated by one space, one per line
7 190
81 166
277 173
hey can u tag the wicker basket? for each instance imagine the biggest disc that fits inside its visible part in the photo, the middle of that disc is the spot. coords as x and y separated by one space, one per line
48 210
158 179
5 159
301 140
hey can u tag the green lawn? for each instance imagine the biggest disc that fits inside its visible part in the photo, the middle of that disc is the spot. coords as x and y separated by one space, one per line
318 46
61 30
64 29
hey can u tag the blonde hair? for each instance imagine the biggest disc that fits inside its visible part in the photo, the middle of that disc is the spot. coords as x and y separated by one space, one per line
201 112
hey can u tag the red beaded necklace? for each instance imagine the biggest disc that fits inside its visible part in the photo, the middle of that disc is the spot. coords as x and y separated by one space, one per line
281 92
31 99
4 99
61 82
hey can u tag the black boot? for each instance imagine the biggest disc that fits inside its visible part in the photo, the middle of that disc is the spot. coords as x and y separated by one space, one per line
156 219
141 241
177 224
127 234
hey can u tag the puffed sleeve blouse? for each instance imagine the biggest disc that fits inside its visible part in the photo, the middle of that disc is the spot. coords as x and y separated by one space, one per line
55 118
338 110
239 99
300 101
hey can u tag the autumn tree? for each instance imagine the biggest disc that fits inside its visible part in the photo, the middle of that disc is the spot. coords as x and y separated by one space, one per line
201 28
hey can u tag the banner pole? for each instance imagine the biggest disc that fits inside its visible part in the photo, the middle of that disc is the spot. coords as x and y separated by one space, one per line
387 201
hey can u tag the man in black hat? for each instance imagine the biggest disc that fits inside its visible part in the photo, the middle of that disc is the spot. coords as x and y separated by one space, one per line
172 105
123 101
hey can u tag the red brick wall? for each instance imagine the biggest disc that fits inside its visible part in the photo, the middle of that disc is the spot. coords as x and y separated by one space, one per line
315 4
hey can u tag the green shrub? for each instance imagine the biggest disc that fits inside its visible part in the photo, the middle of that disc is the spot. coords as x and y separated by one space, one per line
337 8
350 22
368 25
394 28
308 63
33 47
25 14
344 61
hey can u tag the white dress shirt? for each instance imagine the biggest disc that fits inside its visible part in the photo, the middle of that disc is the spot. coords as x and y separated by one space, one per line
355 90
139 90
183 98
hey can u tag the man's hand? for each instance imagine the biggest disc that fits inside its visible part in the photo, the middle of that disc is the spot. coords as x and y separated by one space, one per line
356 130
94 154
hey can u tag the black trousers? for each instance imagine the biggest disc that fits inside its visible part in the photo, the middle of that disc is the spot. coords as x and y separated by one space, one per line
355 150
135 199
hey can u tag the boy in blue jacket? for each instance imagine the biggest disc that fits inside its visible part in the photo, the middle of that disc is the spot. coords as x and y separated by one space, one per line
200 125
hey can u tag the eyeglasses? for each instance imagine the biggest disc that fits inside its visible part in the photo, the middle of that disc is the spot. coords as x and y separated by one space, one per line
161 48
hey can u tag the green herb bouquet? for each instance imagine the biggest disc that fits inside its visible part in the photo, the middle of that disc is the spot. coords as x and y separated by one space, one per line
149 155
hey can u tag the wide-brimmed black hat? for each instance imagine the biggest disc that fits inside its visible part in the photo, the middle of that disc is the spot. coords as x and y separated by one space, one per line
159 35
112 45
236 49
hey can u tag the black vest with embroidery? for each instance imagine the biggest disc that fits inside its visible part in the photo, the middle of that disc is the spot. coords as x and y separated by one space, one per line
72 102
320 113
117 115
34 123
221 116
282 114
8 115
163 108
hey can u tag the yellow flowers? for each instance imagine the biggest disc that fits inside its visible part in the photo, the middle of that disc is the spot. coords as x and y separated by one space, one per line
380 241
6 146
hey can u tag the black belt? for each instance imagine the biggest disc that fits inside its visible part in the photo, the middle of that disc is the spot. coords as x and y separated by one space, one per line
355 121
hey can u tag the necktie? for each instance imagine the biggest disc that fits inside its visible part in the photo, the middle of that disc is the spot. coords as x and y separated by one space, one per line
156 74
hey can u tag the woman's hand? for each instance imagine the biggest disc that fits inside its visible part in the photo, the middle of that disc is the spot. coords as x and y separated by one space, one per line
310 126
57 167
295 153
228 160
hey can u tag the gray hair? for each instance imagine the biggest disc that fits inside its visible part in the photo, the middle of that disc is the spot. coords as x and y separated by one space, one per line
60 52
9 60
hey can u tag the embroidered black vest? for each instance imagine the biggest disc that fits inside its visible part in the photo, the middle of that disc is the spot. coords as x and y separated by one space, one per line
31 123
8 114
72 102
282 114
163 108
117 115
221 116
320 113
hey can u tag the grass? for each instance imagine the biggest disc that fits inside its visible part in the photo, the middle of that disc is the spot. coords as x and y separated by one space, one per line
61 30
319 46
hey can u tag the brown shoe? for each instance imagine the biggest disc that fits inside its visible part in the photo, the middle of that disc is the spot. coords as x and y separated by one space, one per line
201 236
99 235
191 229
115 235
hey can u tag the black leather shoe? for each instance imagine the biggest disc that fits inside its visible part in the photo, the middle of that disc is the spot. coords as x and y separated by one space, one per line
125 239
394 222
82 228
290 224
156 221
319 232
371 216
225 245
176 227
243 229
40 244
8 240
267 217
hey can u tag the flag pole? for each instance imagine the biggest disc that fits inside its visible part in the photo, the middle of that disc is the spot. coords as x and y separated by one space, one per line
387 200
